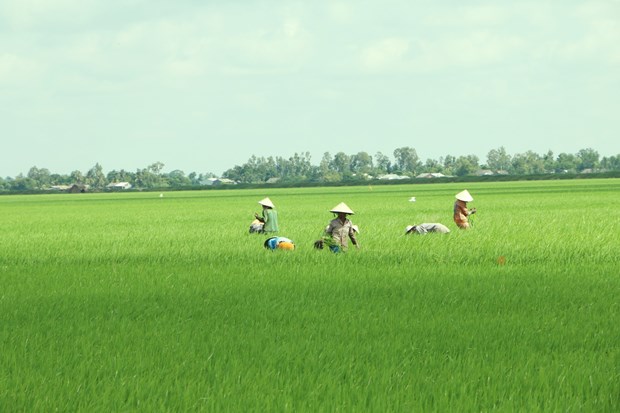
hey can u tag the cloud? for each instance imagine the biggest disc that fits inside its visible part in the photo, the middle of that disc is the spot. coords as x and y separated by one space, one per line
385 54
15 69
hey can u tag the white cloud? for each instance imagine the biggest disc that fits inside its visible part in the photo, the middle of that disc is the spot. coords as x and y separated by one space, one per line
17 70
385 54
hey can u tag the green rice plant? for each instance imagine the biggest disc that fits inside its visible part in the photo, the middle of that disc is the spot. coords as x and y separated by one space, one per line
132 302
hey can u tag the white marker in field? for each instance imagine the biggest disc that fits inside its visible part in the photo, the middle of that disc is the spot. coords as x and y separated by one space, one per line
412 199
161 195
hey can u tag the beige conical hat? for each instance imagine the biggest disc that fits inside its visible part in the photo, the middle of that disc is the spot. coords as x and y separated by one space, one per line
342 207
266 202
464 196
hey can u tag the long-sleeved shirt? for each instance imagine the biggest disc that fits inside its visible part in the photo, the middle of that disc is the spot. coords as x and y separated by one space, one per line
341 232
461 213
432 227
270 218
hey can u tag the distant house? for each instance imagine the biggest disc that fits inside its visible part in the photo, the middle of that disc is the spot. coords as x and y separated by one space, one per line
431 175
485 172
272 180
119 185
77 189
59 187
218 181
390 177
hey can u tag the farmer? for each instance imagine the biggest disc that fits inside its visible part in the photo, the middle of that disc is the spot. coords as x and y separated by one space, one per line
269 217
461 213
340 229
327 240
423 229
280 243
256 227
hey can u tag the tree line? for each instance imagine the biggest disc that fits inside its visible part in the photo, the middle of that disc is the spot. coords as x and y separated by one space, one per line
406 162
332 168
95 178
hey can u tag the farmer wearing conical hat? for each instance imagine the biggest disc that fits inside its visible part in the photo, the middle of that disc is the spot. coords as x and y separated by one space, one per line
340 229
461 213
269 217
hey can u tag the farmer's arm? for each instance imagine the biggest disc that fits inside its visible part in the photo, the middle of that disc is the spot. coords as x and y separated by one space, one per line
353 239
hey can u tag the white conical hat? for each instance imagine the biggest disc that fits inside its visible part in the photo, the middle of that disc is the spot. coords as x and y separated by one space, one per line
266 202
464 196
408 228
342 207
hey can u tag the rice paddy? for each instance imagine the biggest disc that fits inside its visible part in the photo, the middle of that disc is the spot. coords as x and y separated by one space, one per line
136 302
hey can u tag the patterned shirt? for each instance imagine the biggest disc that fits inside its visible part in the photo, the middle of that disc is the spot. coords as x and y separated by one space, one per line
341 232
461 213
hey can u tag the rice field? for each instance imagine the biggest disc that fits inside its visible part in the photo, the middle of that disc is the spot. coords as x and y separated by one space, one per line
136 302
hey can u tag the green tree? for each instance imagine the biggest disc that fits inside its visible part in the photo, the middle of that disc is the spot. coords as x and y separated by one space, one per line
432 165
95 177
361 163
342 164
407 160
466 165
587 159
383 163
527 163
498 159
449 164
611 163
177 179
567 162
39 178
549 162
77 177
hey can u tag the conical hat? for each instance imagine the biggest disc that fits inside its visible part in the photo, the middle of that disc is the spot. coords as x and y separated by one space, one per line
464 196
408 228
266 202
342 207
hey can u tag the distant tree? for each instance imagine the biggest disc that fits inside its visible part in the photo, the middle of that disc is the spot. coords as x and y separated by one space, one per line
549 162
407 160
567 162
299 167
527 163
611 163
77 177
587 159
361 163
120 176
342 164
432 165
177 179
449 164
327 171
383 163
23 183
95 177
466 165
498 159
40 178
156 168
150 177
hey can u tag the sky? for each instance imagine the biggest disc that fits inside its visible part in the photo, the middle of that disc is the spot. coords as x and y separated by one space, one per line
201 86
